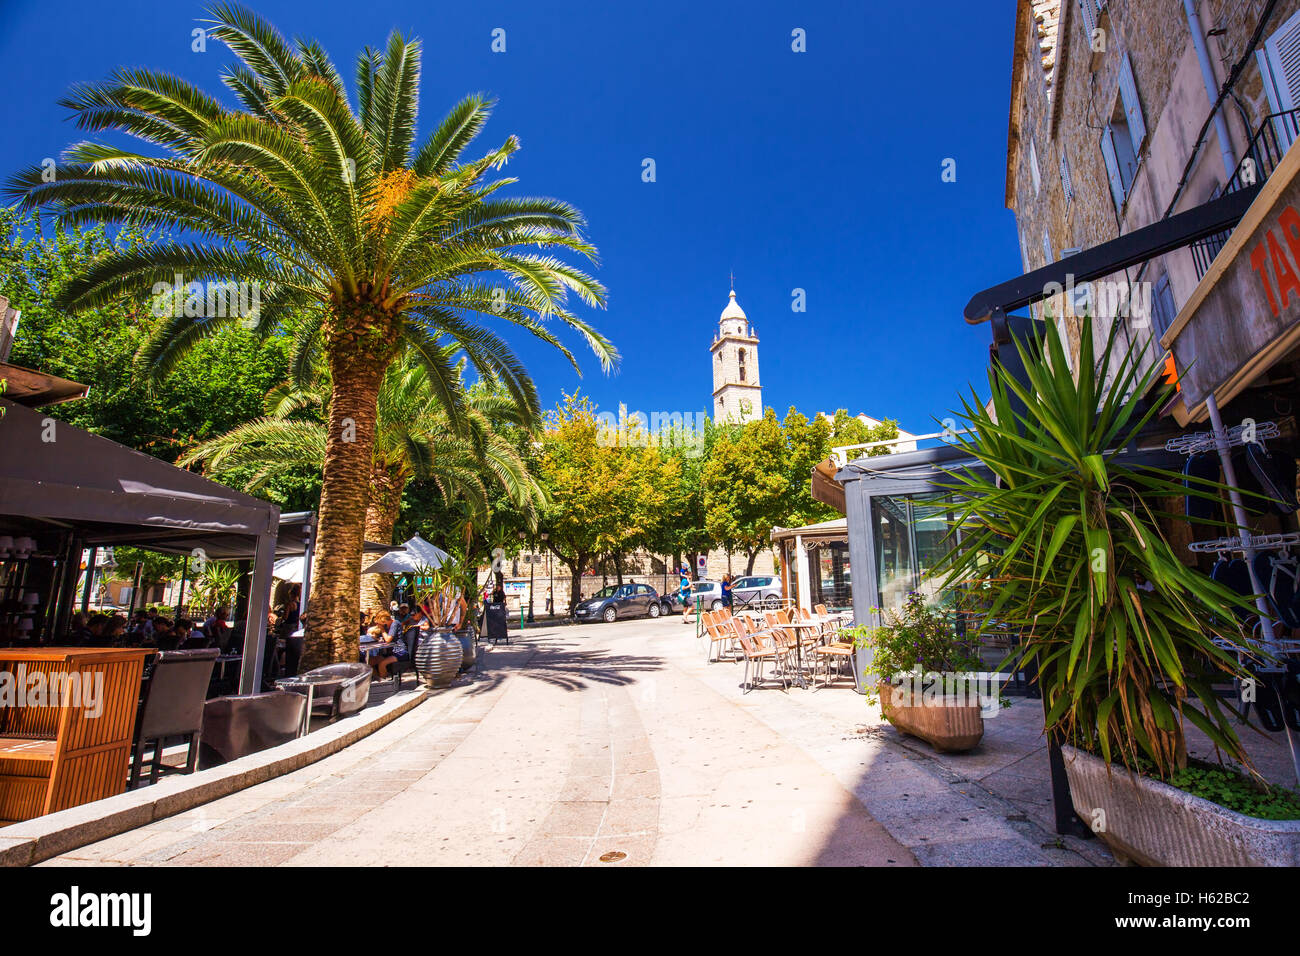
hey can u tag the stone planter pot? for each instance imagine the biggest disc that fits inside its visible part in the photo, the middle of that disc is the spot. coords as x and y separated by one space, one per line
945 724
468 638
437 658
1151 823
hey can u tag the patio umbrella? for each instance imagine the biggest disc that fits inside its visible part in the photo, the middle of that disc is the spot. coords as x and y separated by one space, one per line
289 569
413 555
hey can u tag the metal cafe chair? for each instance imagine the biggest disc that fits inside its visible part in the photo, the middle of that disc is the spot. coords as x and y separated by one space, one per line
172 707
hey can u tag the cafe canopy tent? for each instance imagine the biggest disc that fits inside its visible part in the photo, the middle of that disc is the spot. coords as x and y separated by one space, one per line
69 490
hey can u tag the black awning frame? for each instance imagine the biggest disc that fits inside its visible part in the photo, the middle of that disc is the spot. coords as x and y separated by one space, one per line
1133 248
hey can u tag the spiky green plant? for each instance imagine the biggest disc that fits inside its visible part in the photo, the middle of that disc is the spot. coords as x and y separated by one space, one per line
1064 534
366 239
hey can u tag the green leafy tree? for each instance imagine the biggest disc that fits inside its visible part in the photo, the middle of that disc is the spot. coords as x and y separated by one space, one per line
215 387
335 214
606 491
746 487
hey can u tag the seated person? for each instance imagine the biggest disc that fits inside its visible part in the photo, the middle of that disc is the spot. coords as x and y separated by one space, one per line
386 650
79 632
218 627
164 635
189 635
114 633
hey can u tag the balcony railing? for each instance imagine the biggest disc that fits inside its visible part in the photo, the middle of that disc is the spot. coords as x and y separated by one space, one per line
1267 147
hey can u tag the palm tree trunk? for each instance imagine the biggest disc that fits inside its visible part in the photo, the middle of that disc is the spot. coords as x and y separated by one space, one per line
333 618
382 510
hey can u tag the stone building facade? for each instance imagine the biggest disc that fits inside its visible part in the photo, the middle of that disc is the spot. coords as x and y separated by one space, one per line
737 392
1108 98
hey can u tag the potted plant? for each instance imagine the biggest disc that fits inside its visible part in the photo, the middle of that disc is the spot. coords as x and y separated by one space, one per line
439 653
1060 529
928 682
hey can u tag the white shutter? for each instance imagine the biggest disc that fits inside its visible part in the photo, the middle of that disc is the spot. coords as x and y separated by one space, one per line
1137 126
1279 67
1089 10
1112 168
1283 50
1033 168
1065 178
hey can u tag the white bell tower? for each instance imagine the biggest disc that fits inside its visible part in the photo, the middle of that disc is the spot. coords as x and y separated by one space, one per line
737 393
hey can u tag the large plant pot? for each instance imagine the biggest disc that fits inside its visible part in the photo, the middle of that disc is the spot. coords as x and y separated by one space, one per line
1149 822
468 639
437 658
944 723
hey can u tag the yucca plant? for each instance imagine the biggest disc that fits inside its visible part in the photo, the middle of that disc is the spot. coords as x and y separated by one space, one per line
354 235
1063 535
413 438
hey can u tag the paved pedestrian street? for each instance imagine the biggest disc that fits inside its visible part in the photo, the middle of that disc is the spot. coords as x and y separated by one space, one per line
620 745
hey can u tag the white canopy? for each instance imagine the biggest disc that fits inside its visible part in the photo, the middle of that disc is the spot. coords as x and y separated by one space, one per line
413 555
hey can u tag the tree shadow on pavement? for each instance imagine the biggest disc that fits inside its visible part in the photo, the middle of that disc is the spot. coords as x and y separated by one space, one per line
574 667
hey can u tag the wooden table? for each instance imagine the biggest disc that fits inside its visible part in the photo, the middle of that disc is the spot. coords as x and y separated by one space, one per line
60 750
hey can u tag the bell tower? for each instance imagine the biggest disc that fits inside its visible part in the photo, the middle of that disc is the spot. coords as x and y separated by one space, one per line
737 393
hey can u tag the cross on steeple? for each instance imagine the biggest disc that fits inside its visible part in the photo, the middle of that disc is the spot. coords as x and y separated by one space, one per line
733 279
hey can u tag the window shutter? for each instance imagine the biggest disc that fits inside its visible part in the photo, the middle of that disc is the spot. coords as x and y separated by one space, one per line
1279 63
1033 168
1089 10
1162 306
1112 168
1065 178
1137 126
1283 49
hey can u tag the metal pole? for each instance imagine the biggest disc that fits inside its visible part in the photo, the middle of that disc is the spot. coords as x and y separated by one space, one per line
1239 516
90 579
1261 603
309 552
180 597
532 562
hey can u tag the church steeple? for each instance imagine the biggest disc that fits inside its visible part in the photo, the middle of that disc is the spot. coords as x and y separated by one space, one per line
737 394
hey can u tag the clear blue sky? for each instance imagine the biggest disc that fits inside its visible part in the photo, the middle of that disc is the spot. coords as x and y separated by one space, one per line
816 170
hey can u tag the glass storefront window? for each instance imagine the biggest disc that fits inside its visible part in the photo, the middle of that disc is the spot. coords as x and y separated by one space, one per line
893 549
911 533
834 580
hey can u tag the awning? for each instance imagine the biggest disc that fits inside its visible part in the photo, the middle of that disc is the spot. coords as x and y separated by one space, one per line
824 486
59 474
1244 314
36 389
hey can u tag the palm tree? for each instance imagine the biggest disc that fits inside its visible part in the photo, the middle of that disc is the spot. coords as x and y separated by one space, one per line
413 438
340 221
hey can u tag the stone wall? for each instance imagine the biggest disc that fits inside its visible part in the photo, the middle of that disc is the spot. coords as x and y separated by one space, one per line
1064 93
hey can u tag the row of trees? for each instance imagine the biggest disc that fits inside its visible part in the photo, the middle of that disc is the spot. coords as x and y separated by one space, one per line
681 493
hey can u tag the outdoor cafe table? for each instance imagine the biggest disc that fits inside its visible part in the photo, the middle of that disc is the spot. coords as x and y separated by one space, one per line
798 645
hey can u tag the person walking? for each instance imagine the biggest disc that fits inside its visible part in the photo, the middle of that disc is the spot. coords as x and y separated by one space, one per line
684 589
726 591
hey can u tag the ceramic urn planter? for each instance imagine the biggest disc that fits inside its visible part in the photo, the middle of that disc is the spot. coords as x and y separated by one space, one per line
1148 822
438 657
946 723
